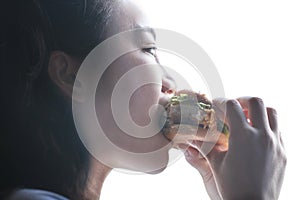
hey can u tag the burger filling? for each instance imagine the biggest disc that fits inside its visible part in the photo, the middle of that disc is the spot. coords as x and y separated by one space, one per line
194 110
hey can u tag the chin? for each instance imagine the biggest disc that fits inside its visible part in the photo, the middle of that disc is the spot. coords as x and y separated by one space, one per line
160 165
154 165
157 171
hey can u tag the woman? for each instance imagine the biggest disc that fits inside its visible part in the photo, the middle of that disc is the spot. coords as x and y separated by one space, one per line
42 157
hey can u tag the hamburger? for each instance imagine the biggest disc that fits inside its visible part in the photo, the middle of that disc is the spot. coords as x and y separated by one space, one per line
190 116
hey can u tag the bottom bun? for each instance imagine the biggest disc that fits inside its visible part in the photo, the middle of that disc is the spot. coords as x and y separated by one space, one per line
184 134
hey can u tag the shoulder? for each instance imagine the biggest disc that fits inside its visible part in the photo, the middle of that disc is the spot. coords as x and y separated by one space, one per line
32 194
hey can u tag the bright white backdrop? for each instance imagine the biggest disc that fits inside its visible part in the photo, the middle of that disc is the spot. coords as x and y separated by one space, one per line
256 47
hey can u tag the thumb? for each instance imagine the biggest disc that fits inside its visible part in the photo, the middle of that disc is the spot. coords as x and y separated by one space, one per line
194 158
212 154
202 165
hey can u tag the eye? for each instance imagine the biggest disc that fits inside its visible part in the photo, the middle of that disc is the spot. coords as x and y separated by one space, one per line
150 50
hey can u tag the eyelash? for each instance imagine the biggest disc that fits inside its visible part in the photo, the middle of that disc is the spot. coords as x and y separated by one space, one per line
151 50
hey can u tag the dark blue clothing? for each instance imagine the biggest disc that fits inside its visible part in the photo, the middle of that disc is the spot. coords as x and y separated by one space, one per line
32 194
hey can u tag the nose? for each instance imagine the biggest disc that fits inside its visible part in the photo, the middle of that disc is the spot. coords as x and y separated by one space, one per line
168 84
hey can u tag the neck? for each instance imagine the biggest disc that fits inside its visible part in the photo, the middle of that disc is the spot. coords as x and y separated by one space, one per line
97 174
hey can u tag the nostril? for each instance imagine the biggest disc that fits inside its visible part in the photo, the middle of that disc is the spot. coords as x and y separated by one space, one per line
167 90
170 91
164 88
168 85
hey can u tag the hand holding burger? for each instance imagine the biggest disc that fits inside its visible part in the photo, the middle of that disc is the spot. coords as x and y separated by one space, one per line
253 166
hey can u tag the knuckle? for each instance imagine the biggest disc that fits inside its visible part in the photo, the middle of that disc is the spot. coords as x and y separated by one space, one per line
284 160
250 131
271 142
268 138
282 156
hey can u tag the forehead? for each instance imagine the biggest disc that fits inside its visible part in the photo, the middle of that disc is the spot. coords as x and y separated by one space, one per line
129 15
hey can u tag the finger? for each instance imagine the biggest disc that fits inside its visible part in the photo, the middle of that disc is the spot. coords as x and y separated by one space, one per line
273 122
195 159
257 111
213 155
281 140
236 118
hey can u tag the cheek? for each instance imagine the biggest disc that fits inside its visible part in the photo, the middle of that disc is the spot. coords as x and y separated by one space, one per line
136 88
146 81
141 102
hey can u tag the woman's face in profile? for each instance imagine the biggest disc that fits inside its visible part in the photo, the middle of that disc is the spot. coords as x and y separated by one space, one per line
145 151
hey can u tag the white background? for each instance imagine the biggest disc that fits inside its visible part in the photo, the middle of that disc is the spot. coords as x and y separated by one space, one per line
255 46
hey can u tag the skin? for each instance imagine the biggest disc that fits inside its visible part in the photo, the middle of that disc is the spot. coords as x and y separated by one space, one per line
62 69
259 176
141 100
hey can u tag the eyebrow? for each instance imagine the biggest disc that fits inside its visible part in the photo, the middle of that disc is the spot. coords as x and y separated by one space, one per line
146 29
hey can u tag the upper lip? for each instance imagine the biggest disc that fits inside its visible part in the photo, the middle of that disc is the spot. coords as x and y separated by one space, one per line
164 99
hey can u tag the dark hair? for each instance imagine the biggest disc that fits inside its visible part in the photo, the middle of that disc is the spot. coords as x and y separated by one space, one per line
39 145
